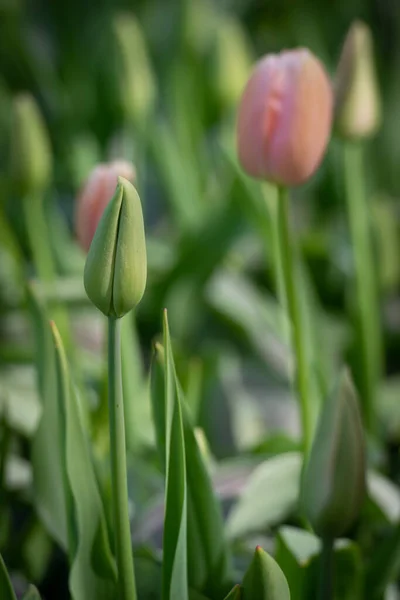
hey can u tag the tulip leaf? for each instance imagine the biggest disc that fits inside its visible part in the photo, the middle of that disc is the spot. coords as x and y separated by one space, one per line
271 495
175 577
179 180
7 592
208 559
46 445
298 554
264 579
92 573
258 316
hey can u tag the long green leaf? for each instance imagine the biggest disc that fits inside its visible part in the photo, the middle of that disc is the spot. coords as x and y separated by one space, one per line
49 498
208 556
175 578
92 574
6 589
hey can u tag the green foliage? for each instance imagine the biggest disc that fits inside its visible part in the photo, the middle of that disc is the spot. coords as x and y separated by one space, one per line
216 466
208 558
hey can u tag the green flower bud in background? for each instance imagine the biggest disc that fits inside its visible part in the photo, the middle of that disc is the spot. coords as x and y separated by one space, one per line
231 60
116 265
264 579
357 96
31 159
135 79
333 486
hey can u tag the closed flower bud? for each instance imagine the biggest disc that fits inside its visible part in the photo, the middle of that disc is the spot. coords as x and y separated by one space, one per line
264 579
333 485
116 265
95 196
285 116
31 161
357 98
231 61
134 77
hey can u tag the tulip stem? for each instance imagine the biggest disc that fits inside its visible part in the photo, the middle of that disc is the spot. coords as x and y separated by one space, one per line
326 570
122 532
366 286
287 274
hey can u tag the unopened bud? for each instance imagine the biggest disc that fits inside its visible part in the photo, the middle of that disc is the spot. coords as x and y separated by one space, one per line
116 265
357 97
95 196
264 579
333 486
135 78
31 161
231 62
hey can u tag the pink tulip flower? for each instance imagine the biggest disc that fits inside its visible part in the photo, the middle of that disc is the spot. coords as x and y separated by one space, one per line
285 118
95 195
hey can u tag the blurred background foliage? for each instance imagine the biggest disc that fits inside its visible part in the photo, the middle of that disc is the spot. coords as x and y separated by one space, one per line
158 82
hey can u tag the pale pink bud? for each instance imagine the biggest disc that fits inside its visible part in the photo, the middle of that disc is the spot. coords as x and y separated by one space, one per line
95 195
285 118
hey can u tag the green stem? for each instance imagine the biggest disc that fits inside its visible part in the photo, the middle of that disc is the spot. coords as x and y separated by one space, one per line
367 297
42 256
326 570
123 545
291 301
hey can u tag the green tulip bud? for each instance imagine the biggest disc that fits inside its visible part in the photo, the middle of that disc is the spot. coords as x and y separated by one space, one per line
333 485
357 97
232 62
135 78
264 579
116 265
31 161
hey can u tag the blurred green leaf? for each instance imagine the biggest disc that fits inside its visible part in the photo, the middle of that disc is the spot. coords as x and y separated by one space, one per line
179 177
93 572
19 399
278 443
7 592
257 314
270 496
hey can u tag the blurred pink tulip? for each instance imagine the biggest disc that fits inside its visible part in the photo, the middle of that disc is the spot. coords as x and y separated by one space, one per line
285 118
95 195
